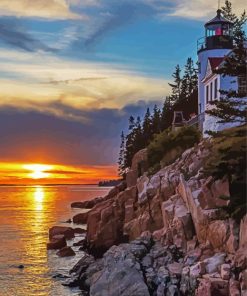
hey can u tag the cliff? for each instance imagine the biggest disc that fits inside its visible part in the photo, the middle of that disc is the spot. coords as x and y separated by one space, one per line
165 234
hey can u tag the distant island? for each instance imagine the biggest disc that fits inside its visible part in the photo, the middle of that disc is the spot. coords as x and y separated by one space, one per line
109 183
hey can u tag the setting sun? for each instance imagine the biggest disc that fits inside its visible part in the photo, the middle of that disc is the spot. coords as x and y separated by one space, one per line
38 171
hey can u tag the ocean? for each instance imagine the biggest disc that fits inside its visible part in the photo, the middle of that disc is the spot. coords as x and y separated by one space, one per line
26 214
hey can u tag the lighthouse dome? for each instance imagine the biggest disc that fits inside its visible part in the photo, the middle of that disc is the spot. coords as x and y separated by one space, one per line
218 19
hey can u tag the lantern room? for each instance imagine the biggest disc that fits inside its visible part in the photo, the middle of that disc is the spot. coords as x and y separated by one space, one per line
218 34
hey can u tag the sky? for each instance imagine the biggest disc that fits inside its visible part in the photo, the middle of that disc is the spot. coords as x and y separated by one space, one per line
73 71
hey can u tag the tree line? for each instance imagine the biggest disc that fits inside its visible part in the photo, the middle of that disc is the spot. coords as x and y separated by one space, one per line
141 131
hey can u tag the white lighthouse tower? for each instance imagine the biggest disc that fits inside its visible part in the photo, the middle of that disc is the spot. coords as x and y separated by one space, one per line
211 49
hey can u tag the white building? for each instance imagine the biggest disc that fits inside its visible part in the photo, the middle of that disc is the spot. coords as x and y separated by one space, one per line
217 43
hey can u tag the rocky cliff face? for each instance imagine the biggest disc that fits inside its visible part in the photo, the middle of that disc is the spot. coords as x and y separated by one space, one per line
182 241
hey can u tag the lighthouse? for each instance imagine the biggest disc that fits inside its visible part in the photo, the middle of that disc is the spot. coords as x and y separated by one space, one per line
211 50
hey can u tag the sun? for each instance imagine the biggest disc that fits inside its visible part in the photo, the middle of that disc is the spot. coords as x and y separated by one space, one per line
38 171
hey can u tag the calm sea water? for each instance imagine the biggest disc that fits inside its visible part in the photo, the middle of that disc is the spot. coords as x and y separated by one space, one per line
26 214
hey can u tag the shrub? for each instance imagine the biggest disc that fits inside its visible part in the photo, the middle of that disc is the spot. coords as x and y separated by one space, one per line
169 145
228 158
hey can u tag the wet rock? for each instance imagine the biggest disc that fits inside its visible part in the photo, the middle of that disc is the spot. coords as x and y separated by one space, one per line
21 266
68 232
57 242
66 252
120 275
79 230
80 243
88 204
80 218
82 265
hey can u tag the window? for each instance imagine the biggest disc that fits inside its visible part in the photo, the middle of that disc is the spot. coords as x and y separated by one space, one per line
207 93
211 91
216 88
242 85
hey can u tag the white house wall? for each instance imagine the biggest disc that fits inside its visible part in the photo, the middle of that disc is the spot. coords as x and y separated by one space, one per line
203 60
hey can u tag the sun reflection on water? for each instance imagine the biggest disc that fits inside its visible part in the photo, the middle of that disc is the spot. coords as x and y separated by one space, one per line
39 195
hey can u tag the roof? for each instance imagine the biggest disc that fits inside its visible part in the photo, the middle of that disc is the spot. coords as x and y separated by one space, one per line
218 19
215 62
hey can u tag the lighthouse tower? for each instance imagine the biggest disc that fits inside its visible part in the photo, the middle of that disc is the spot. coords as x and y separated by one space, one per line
211 49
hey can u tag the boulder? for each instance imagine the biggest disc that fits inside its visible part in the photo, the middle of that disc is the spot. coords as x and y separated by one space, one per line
240 259
131 178
142 189
212 264
139 159
57 242
105 226
121 275
68 232
225 271
175 268
87 204
214 194
218 232
212 286
232 243
80 218
177 219
66 252
234 288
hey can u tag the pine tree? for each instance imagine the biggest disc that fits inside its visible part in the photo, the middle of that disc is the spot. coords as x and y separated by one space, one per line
129 144
121 160
147 127
176 85
238 22
166 114
189 81
156 124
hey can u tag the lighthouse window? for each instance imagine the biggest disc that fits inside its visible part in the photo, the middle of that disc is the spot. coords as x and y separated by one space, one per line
215 88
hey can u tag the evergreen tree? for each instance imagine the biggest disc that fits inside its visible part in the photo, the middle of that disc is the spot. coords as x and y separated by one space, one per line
166 114
189 81
129 144
156 124
147 127
121 162
238 22
176 85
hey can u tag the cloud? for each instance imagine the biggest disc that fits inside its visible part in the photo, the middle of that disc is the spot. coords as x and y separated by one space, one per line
46 84
30 136
200 9
11 33
47 9
116 15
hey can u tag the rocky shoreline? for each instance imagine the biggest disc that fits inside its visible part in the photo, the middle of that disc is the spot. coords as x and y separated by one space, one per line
165 234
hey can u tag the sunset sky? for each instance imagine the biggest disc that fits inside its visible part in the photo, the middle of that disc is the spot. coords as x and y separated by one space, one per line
72 71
